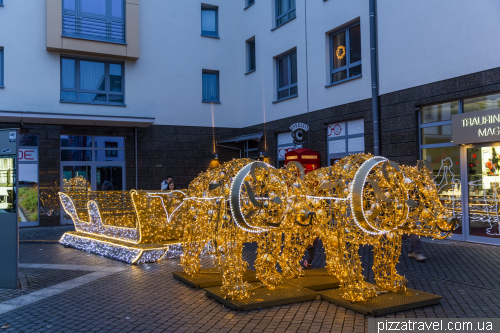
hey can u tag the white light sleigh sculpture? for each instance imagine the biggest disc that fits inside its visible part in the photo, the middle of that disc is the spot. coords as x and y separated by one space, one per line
135 227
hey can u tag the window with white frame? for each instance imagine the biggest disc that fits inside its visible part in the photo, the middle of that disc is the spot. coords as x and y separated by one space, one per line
345 54
287 75
344 138
285 144
102 20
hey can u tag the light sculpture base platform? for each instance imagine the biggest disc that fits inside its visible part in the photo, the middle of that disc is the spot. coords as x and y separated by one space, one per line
315 279
209 277
385 303
124 251
261 297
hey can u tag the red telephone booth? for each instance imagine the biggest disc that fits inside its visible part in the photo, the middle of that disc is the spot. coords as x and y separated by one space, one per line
307 157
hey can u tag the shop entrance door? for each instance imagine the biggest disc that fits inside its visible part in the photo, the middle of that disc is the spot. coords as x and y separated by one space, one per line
74 178
483 193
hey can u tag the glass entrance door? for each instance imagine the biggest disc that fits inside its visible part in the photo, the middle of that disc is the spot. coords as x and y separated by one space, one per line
483 183
74 178
109 178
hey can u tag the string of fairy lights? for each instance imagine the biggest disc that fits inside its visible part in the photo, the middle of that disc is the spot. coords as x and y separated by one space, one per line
361 199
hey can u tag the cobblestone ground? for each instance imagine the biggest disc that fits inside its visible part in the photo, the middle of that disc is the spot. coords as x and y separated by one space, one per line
146 298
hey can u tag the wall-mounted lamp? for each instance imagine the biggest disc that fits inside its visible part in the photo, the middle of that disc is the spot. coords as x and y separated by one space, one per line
215 162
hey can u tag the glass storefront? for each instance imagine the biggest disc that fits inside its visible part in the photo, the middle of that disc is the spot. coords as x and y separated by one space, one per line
28 208
92 163
468 175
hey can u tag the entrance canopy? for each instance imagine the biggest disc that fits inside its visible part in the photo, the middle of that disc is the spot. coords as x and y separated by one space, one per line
254 136
73 119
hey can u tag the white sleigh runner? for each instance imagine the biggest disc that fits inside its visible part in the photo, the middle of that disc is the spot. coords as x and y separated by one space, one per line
135 226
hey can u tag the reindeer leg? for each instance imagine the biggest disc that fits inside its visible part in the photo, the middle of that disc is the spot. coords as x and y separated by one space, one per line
228 254
352 280
267 257
198 231
386 254
293 251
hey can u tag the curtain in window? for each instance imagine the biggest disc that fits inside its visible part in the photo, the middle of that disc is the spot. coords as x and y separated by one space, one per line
92 75
1 66
210 87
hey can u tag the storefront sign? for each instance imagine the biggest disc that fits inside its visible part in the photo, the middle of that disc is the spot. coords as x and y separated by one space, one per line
473 127
28 155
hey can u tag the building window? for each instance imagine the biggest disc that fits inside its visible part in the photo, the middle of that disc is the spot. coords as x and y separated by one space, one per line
437 148
482 103
344 138
102 20
252 149
345 53
209 21
251 55
287 75
1 66
210 86
94 82
285 144
285 11
28 181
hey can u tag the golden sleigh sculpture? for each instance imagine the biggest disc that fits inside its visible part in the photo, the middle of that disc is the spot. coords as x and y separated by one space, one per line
360 200
135 226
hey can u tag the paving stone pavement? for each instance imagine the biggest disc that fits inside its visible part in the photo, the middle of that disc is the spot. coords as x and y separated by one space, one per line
146 298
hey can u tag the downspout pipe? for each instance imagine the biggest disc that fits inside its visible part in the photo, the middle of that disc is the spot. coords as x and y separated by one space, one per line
136 170
374 75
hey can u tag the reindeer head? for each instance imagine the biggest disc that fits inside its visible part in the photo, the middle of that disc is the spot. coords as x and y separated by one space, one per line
427 216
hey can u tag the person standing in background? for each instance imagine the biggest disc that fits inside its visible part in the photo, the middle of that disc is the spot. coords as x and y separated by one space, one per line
415 250
171 185
164 184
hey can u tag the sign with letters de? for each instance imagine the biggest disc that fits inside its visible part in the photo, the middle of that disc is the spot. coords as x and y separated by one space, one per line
474 127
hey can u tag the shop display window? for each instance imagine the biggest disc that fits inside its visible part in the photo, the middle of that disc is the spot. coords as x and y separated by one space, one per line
482 103
439 112
29 191
445 163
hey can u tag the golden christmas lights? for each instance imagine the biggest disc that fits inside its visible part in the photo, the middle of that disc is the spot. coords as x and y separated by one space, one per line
340 52
113 222
361 199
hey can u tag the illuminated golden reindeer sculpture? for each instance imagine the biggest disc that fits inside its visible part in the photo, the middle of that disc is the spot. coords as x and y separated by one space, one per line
243 201
360 200
364 199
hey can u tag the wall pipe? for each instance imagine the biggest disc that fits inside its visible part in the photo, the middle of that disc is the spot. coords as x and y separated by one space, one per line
136 170
374 75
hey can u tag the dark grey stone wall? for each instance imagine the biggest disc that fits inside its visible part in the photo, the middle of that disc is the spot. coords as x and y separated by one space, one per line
180 151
